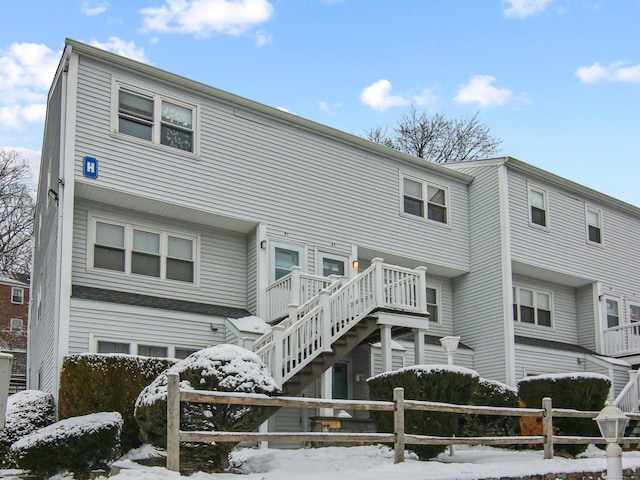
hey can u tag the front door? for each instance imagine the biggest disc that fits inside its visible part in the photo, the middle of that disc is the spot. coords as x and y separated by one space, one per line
341 381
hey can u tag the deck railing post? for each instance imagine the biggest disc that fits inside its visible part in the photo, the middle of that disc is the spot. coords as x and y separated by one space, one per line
421 299
173 422
398 424
278 354
547 428
378 279
296 286
325 320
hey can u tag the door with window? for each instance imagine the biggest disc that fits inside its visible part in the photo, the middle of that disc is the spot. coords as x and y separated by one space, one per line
332 264
283 257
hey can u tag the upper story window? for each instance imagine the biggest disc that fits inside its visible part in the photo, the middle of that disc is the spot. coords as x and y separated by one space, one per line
538 206
135 249
425 200
532 306
17 295
157 119
594 225
432 305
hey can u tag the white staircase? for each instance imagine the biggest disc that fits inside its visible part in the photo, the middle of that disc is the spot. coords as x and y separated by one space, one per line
318 311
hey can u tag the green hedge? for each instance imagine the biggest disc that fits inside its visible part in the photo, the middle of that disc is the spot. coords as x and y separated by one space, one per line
493 394
434 383
91 383
579 391
77 444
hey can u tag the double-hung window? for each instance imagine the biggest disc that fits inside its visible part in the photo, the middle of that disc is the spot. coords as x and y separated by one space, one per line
594 225
153 117
538 206
532 306
432 305
16 324
425 200
612 311
140 250
17 295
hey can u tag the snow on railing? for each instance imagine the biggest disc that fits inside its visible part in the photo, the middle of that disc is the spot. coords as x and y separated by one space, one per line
311 328
622 339
627 399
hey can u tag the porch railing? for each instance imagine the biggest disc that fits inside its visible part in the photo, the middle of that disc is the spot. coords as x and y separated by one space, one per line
622 339
627 399
311 328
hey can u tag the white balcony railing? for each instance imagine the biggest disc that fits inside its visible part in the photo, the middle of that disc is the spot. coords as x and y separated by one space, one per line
623 339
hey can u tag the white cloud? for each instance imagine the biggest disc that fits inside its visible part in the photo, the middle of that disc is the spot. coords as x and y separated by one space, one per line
27 72
121 47
202 17
614 72
324 107
481 91
427 97
91 10
262 38
378 96
524 8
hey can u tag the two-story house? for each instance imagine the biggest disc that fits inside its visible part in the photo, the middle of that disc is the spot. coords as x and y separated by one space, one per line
14 315
170 212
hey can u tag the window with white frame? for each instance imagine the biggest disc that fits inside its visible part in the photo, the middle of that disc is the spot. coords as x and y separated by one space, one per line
17 324
612 311
424 199
594 225
17 295
283 256
142 349
141 250
432 305
538 206
155 118
634 312
531 306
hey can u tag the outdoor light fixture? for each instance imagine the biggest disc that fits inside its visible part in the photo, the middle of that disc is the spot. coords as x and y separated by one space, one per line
263 244
53 195
612 421
355 264
450 345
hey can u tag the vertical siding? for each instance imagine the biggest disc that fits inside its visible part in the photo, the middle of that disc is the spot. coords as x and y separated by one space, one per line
478 307
223 261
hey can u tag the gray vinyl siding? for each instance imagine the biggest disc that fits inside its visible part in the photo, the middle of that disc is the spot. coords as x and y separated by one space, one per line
535 361
478 309
298 182
434 355
563 312
586 322
147 326
42 333
564 247
252 273
222 265
397 360
445 326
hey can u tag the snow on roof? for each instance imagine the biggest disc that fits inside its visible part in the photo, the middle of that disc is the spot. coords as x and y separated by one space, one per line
251 324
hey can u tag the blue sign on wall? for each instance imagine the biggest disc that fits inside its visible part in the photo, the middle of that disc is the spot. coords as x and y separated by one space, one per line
90 167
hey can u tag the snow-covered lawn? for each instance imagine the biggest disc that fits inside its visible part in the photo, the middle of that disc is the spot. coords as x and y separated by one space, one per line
373 462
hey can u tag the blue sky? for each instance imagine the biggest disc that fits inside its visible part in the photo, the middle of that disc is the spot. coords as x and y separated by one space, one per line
557 80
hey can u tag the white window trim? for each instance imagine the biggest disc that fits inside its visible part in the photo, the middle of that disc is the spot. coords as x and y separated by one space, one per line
128 248
11 322
322 254
545 197
438 303
631 303
133 345
157 105
587 209
535 291
18 289
425 198
302 255
605 318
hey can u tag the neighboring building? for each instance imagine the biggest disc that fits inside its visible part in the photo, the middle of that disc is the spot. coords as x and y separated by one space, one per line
14 315
170 212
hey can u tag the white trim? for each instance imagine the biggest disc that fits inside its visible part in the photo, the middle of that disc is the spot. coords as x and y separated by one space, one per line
321 254
294 247
534 293
20 328
135 342
598 211
605 314
21 295
507 277
425 199
438 304
262 267
632 303
545 199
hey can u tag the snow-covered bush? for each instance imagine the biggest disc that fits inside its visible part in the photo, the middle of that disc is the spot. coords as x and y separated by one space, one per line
93 382
225 368
433 383
579 391
492 394
27 411
77 444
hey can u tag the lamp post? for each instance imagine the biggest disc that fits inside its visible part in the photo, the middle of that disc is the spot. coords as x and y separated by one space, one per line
5 377
450 345
612 421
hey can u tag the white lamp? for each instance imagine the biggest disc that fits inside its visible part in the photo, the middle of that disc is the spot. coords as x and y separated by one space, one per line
450 345
612 421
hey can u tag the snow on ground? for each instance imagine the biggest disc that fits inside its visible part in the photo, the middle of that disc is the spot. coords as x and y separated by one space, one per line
373 462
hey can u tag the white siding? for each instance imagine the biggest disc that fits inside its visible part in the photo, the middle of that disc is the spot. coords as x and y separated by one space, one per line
532 360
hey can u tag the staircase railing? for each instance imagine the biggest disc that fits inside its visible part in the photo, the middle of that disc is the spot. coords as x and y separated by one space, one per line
313 327
627 399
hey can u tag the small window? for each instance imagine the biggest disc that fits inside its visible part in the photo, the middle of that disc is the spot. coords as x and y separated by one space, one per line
538 206
182 352
432 305
613 312
108 252
152 117
634 312
152 351
284 260
594 225
145 256
113 347
532 306
415 192
180 261
16 324
17 295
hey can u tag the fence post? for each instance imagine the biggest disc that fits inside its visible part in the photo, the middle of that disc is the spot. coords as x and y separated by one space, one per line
547 428
325 320
173 421
378 282
398 424
278 354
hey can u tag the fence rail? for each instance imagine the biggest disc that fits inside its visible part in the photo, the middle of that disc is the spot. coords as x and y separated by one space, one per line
398 437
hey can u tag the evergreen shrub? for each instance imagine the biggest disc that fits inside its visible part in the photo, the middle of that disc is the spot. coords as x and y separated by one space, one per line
224 368
434 383
579 391
27 411
77 444
92 383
